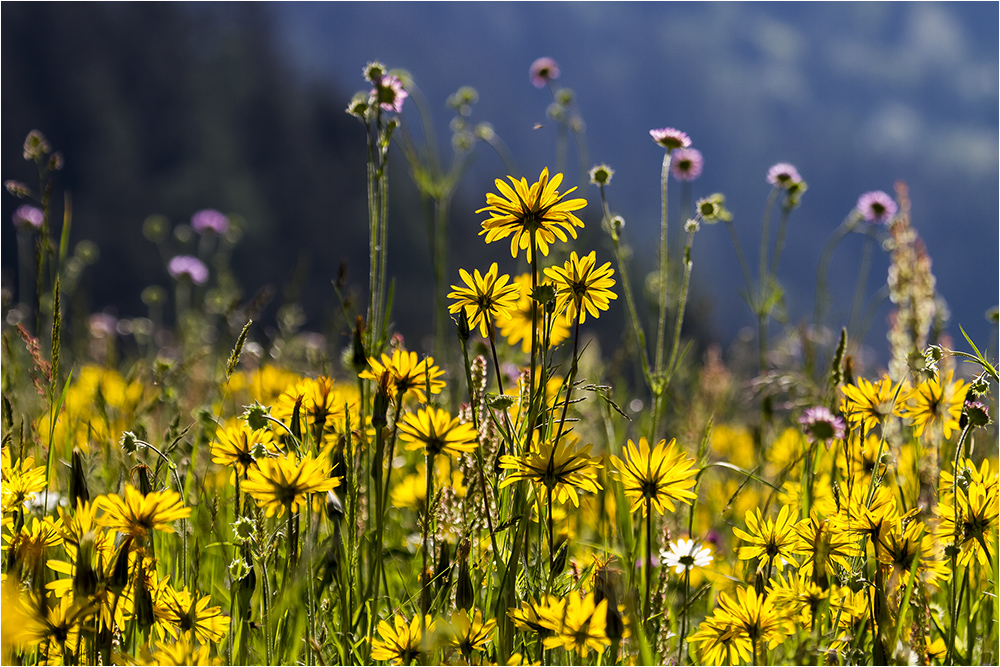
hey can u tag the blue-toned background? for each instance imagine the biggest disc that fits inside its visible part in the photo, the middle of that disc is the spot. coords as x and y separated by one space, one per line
171 108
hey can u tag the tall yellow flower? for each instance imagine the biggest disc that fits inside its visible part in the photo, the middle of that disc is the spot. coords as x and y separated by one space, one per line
287 482
655 478
539 210
435 431
485 298
135 515
936 404
582 287
561 469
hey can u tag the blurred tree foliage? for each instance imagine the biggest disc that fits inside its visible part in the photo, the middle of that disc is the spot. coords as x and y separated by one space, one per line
163 108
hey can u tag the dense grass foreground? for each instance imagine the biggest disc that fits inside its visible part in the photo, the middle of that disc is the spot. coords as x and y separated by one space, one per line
199 489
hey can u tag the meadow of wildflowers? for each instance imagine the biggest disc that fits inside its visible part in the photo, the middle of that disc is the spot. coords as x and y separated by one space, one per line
191 488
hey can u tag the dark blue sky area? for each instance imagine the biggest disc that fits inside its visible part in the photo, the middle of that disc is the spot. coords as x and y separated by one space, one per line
856 95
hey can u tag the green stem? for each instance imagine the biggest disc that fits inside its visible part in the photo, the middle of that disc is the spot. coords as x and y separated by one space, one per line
648 565
859 289
662 321
845 228
681 306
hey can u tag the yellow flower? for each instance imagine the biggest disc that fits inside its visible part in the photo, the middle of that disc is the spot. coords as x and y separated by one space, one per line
655 479
471 634
411 490
518 327
20 480
579 626
582 288
184 614
529 616
485 298
824 545
28 545
798 597
235 446
936 404
524 211
734 444
435 431
180 652
29 622
321 406
400 642
721 641
136 515
286 482
407 374
755 617
898 546
768 539
561 469
975 526
867 404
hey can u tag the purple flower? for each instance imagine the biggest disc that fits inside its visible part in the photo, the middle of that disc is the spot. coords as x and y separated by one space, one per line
389 94
782 175
686 164
821 425
28 217
210 219
542 70
670 138
186 266
876 207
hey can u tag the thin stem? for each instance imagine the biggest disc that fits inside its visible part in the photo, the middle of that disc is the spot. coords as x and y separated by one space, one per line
684 617
845 228
859 289
681 306
744 266
664 259
648 565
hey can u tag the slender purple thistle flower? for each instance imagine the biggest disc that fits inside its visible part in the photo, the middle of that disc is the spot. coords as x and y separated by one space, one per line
210 219
29 217
543 70
821 425
686 164
186 266
876 207
782 175
670 138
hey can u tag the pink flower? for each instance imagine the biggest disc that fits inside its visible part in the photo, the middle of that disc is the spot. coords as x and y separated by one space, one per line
670 138
28 217
542 70
876 207
821 425
686 164
389 94
782 175
210 219
191 268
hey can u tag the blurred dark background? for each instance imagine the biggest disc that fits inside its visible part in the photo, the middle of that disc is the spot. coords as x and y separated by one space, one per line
171 108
